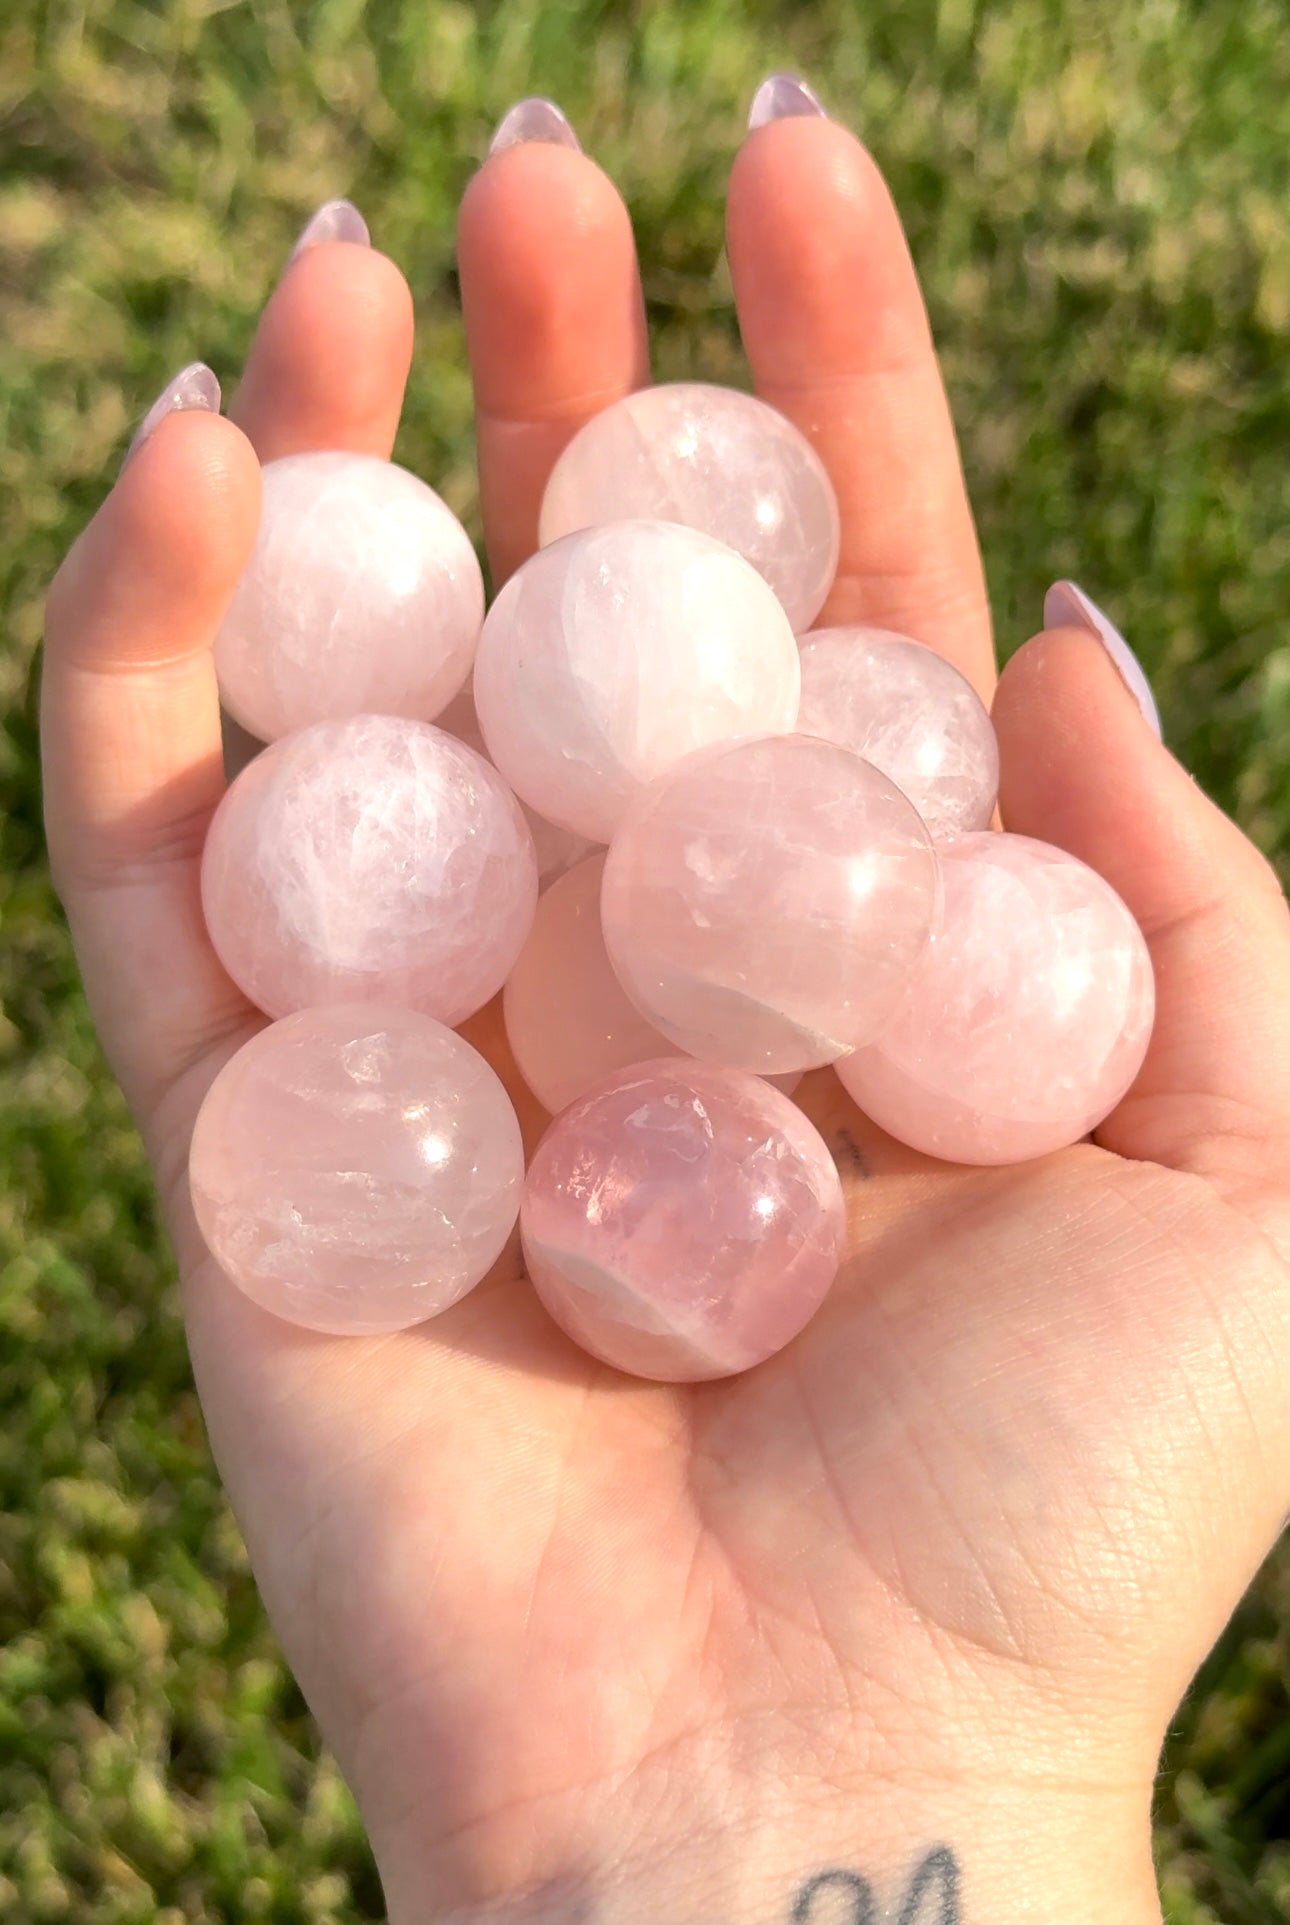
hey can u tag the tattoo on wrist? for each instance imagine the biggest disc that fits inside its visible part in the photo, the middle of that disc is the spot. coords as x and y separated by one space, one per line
930 1898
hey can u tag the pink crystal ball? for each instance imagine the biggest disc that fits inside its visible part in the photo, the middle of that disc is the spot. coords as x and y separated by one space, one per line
682 1221
714 459
907 710
1029 1018
568 1019
370 860
766 904
362 596
356 1169
613 654
556 849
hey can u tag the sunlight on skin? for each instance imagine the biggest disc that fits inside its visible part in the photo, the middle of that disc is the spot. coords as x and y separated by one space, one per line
935 1576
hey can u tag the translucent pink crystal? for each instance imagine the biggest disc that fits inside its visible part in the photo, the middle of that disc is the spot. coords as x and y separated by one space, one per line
766 904
610 656
363 596
556 849
356 1169
370 860
714 459
568 1020
1029 1019
904 708
682 1221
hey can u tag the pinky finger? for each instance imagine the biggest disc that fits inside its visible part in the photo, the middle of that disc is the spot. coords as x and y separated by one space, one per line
131 745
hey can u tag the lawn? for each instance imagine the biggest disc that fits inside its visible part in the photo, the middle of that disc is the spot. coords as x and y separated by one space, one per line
1097 196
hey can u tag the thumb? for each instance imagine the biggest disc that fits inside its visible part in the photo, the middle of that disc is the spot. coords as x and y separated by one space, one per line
1080 767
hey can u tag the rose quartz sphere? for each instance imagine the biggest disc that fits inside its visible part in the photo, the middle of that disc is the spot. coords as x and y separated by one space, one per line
682 1221
356 1169
610 656
370 860
568 1019
1029 1019
556 849
766 904
904 708
362 596
714 459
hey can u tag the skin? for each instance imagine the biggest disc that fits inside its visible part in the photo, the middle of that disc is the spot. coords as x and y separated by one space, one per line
593 1649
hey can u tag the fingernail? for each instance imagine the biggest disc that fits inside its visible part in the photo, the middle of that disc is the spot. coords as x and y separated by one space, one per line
194 387
782 97
534 119
1067 606
334 221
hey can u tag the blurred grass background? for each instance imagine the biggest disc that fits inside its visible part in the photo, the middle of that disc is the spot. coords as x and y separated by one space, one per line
1097 196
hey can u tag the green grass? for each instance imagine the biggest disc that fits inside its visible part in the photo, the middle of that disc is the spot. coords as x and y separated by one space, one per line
1096 194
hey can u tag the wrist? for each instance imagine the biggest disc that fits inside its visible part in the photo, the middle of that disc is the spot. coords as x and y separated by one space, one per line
1029 1855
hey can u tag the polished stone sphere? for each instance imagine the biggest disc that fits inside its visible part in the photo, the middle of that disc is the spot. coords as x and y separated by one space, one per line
714 459
682 1221
613 654
362 596
356 1169
765 905
568 1019
370 860
907 710
556 849
1029 1019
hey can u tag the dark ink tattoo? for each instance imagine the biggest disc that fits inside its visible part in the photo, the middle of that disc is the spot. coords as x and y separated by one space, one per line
936 1879
851 1153
856 1888
931 1897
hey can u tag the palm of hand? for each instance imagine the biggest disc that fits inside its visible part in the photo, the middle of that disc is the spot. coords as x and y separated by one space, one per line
966 1504
979 1468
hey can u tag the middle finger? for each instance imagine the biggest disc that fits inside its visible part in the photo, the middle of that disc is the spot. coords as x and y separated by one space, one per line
555 323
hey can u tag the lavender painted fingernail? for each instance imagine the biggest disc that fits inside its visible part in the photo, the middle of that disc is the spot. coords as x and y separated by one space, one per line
783 97
193 387
334 221
534 119
1067 606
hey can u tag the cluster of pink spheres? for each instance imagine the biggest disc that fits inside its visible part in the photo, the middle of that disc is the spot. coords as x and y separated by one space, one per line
697 843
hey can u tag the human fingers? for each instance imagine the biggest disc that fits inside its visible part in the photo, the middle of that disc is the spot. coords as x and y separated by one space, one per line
1082 768
131 743
328 365
555 318
330 358
131 718
838 339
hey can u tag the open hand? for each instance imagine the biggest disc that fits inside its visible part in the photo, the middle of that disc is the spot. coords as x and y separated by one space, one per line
924 1590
